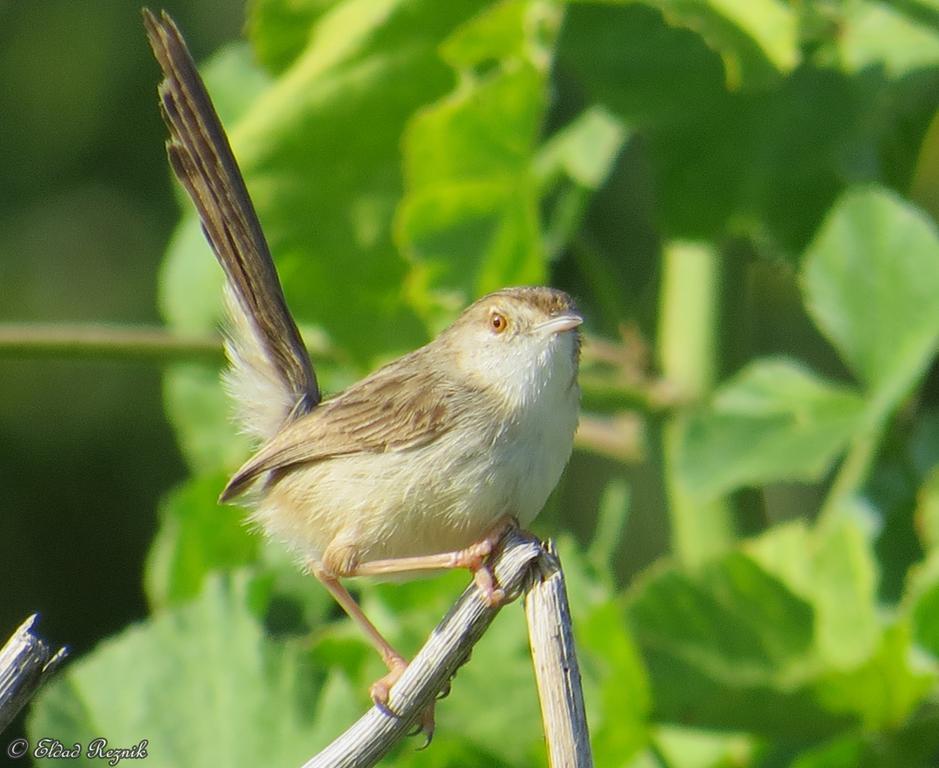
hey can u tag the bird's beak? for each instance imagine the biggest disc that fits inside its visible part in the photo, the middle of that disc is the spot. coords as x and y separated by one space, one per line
559 324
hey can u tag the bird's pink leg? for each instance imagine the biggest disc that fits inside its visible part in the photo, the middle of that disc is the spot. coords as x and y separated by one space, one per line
473 557
396 663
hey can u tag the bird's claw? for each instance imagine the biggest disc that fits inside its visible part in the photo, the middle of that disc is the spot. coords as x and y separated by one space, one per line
380 692
426 726
492 595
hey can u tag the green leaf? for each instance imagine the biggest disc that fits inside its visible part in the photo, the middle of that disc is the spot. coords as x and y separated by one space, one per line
924 185
234 80
923 446
333 238
871 276
876 33
913 745
570 166
729 646
783 638
195 538
196 406
757 40
606 46
496 34
886 689
774 420
844 589
205 687
470 217
190 280
761 164
616 684
612 516
279 31
843 752
833 568
583 151
695 748
732 618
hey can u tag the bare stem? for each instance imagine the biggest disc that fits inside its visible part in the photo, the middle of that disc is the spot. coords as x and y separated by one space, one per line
556 669
687 350
619 436
26 662
100 340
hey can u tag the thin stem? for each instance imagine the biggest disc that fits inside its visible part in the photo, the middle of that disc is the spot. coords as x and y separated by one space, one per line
687 351
852 473
619 436
99 340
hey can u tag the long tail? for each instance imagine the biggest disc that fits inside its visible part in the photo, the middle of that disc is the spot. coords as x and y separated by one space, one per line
271 376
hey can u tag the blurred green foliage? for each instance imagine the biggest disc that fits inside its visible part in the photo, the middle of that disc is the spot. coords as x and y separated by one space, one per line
743 197
86 206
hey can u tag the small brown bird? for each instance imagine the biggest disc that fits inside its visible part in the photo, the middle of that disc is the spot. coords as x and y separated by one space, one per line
421 465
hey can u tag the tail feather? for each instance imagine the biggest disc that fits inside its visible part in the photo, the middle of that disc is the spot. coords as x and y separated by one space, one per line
264 404
271 377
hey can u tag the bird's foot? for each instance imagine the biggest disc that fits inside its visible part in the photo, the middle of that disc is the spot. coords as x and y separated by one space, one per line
380 691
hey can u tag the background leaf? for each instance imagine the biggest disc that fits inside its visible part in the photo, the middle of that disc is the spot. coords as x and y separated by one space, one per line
756 40
774 421
470 215
195 538
205 667
833 568
871 276
867 26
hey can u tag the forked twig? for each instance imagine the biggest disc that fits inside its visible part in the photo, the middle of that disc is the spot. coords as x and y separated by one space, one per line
448 647
518 566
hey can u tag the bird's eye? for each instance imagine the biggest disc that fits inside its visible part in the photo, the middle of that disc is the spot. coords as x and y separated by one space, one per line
498 322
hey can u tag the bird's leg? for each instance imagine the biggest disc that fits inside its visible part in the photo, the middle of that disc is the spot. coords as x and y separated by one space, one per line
396 663
473 557
393 660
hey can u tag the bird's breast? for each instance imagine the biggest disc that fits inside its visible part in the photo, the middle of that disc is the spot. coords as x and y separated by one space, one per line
539 448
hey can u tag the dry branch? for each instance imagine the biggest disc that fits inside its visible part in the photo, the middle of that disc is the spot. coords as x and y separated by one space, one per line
556 670
520 563
448 647
26 662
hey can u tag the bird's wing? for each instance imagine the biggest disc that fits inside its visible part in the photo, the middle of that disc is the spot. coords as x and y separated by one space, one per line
401 406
